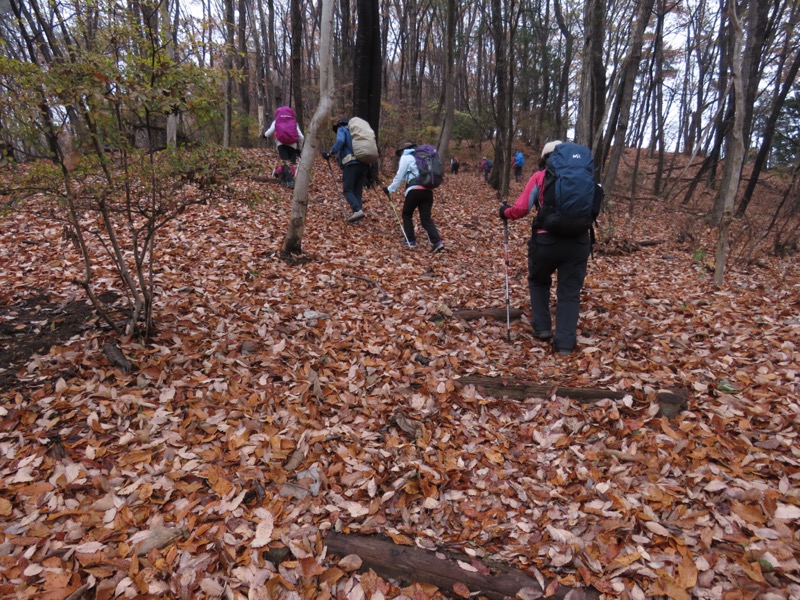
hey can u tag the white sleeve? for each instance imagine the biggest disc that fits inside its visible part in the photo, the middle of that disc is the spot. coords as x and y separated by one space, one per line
402 168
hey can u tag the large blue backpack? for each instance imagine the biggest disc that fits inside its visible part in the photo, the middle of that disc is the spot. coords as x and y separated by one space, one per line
571 196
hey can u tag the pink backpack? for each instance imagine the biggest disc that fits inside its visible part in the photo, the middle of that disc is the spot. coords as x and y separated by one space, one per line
286 125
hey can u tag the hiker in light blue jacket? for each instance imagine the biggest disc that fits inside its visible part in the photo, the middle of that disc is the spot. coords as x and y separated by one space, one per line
416 197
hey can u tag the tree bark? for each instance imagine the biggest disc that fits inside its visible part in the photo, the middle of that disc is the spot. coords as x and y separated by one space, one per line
562 113
752 46
618 126
503 12
297 60
292 243
244 83
170 35
593 81
735 148
449 84
228 93
769 131
368 66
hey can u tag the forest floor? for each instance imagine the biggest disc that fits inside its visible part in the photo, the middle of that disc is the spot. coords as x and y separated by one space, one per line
279 402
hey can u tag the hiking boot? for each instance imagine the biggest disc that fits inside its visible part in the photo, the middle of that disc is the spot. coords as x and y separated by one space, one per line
542 335
410 244
438 247
359 214
562 351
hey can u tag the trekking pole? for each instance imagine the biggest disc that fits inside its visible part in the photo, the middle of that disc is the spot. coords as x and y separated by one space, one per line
508 298
389 196
333 177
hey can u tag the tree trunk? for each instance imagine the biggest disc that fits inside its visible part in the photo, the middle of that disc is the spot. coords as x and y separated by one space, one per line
297 59
449 83
244 82
768 131
228 93
753 42
276 98
659 115
368 65
503 37
562 113
263 49
170 34
618 126
346 60
593 82
292 244
735 147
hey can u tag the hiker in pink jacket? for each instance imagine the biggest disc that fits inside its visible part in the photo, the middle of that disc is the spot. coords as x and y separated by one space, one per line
288 138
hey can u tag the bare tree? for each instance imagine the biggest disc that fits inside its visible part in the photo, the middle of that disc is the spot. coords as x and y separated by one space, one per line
752 42
504 17
618 122
228 93
292 243
788 76
368 65
593 79
449 82
297 58
735 146
244 77
563 83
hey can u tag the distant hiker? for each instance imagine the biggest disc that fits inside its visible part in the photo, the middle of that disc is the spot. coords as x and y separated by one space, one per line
420 183
486 167
288 138
354 171
561 236
519 162
454 164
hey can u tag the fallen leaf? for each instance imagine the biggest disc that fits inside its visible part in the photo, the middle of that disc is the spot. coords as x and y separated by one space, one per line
264 532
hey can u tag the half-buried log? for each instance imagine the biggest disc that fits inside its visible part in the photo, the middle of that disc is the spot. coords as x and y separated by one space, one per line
407 564
670 401
498 314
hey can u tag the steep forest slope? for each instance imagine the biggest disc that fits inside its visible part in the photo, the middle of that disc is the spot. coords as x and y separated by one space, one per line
280 401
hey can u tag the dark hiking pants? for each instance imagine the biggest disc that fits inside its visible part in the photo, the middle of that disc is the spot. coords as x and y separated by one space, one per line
421 199
354 174
549 254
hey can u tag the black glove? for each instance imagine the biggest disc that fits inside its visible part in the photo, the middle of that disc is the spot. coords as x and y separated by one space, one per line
386 191
326 155
503 208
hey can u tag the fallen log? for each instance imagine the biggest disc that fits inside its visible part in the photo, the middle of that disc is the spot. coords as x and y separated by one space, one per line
500 387
499 314
670 401
408 564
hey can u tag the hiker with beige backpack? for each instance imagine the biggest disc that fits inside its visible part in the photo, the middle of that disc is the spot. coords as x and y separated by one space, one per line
356 150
